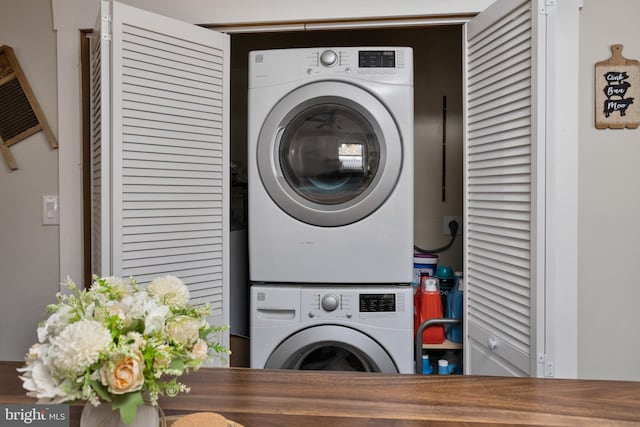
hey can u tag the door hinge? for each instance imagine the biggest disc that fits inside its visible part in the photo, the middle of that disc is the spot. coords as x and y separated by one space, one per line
544 6
547 364
106 27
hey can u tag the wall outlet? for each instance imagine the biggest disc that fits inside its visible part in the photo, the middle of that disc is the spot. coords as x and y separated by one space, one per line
445 225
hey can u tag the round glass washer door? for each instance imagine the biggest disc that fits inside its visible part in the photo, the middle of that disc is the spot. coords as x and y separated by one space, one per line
331 348
329 153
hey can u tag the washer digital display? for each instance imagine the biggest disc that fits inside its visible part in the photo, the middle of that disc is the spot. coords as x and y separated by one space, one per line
374 303
376 59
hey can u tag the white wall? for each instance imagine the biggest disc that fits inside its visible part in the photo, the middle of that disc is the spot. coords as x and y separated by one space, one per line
29 250
609 207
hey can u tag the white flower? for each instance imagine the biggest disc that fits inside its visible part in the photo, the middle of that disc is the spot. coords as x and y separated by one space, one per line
170 290
54 324
184 329
38 352
115 308
154 317
138 340
39 383
119 286
79 346
162 359
136 304
200 350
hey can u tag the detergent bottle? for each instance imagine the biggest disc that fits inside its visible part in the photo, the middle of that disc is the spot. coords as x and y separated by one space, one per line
455 308
431 308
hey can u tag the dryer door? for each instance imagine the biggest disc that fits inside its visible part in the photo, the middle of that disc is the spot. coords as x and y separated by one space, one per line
329 153
331 348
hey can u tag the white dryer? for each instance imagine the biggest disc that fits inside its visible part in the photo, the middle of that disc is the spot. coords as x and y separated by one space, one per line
330 165
364 328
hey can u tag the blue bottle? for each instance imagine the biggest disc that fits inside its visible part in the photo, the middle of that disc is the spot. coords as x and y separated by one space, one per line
455 307
426 365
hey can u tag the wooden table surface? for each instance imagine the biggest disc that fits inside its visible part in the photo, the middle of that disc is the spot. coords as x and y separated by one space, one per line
268 398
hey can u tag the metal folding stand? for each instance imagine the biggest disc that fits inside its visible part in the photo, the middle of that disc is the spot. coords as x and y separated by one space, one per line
421 328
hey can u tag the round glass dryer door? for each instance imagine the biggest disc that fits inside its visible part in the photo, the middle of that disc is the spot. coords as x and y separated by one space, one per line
329 153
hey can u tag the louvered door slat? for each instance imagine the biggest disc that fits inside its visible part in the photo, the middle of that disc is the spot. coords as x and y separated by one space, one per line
178 106
178 50
134 92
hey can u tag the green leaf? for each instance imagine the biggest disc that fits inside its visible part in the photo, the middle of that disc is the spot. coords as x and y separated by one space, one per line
128 404
100 390
177 364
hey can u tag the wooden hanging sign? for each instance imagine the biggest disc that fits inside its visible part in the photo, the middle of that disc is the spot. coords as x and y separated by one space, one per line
617 91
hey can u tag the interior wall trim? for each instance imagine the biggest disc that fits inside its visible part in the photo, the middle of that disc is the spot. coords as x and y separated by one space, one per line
420 21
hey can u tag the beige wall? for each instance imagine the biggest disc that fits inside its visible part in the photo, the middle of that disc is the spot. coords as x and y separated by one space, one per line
29 250
609 207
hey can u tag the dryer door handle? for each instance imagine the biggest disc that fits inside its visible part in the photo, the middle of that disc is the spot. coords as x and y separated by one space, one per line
276 151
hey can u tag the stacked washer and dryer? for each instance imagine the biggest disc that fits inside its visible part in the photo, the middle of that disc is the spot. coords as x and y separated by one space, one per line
330 143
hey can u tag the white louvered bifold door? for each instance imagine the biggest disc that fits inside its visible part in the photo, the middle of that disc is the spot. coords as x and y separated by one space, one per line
501 191
168 149
100 156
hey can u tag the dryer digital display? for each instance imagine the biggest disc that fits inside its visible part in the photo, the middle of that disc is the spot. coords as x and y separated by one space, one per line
377 59
375 303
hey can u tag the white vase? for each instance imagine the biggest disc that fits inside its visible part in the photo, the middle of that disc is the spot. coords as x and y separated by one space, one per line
104 416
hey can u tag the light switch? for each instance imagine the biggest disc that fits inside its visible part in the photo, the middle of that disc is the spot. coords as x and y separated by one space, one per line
50 209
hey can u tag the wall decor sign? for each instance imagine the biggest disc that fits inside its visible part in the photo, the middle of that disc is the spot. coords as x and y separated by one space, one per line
617 92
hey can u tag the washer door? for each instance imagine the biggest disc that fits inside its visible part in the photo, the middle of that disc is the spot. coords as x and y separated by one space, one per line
331 348
329 153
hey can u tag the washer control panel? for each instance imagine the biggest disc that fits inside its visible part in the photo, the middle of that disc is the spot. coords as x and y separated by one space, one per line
344 304
385 307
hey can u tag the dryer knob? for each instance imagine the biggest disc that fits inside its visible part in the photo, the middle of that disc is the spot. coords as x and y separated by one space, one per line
328 58
330 302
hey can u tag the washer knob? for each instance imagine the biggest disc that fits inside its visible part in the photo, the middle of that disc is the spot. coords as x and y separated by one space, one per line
330 302
328 58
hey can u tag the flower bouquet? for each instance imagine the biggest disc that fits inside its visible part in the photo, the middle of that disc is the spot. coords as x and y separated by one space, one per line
119 343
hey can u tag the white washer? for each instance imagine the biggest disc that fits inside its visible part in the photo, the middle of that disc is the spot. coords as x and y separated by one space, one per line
364 328
330 155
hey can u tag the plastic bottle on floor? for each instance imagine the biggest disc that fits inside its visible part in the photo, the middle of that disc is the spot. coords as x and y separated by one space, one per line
426 365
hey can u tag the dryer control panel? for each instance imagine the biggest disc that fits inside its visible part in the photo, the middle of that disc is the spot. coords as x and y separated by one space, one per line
356 61
376 63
